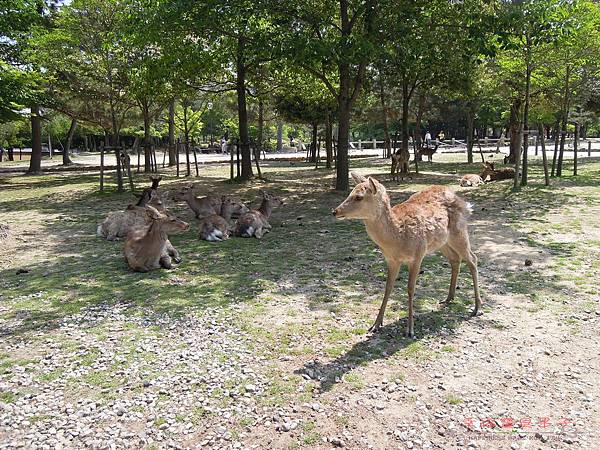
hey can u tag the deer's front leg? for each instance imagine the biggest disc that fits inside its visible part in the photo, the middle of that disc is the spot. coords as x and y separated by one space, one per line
413 271
393 269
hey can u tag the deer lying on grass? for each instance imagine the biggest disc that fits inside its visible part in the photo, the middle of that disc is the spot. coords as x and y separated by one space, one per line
430 220
146 248
470 179
400 164
117 224
209 205
427 151
489 173
256 221
216 227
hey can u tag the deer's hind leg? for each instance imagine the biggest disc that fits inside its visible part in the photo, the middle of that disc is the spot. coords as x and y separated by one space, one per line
459 241
454 259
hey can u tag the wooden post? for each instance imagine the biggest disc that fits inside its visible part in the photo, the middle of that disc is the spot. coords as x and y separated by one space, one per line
153 148
575 147
589 148
138 158
20 153
128 167
360 144
177 149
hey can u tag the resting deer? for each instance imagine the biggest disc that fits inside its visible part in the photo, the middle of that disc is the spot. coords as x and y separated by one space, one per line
216 227
489 173
146 248
470 179
256 221
427 151
209 205
430 220
146 195
400 164
117 224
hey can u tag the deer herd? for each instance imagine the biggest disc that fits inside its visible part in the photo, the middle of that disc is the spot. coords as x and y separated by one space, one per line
146 226
434 219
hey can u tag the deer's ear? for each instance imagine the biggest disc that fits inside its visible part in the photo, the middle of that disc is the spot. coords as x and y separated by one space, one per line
358 178
152 212
373 185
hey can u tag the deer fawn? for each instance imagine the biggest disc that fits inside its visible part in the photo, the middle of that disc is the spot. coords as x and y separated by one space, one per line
430 220
256 221
147 248
470 179
400 164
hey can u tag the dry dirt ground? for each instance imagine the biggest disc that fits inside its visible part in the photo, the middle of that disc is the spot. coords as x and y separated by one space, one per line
264 344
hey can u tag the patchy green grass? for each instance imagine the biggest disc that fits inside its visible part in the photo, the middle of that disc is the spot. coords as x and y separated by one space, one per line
309 290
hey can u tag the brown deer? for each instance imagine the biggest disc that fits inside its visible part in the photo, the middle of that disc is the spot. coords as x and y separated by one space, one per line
256 221
216 227
428 151
147 195
430 220
400 164
470 179
489 173
209 205
117 224
146 248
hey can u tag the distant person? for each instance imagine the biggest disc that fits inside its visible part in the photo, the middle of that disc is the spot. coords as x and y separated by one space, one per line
428 139
223 145
292 143
441 136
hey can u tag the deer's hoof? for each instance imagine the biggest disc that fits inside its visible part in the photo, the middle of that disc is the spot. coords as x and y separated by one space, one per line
476 312
410 334
446 302
177 260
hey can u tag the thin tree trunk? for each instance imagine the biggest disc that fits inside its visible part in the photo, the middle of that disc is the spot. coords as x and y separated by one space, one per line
405 106
313 143
147 149
279 136
172 146
525 119
544 158
555 155
470 129
565 118
575 148
35 163
328 141
66 157
387 150
261 125
246 173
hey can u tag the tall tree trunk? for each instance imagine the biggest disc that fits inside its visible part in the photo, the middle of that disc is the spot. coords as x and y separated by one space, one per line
35 164
186 133
575 148
405 106
556 138
470 134
387 149
342 163
514 130
279 136
172 146
147 148
328 141
66 157
544 158
565 118
418 120
246 173
313 143
525 119
261 126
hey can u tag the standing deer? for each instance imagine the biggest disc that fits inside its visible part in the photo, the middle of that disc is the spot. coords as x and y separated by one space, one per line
400 164
147 248
428 151
430 220
256 221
